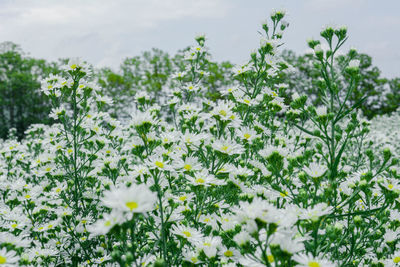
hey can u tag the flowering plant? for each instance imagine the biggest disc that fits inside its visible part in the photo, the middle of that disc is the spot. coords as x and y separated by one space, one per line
253 179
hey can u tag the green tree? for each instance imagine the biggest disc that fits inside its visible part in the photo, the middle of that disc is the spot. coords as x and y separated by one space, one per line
21 102
305 80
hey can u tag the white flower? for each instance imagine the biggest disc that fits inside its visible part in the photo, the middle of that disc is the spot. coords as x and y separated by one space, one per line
8 258
157 162
315 170
203 178
246 133
242 238
237 70
189 233
140 118
228 147
209 245
295 96
102 226
355 63
178 75
395 259
228 90
75 63
307 260
321 111
134 199
390 236
223 110
191 256
281 12
394 215
189 164
314 213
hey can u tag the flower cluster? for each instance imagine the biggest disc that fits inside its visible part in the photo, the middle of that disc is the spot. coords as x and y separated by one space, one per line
256 178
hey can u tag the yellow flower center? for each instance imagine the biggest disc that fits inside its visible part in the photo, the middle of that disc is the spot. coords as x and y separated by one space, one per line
314 264
182 198
187 167
284 194
14 225
228 253
194 259
73 66
224 148
159 164
200 180
222 112
206 244
3 260
187 234
27 196
132 205
390 186
107 223
396 260
271 258
247 136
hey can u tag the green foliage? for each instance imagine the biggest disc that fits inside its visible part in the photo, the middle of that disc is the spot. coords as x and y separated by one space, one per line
20 100
255 176
305 79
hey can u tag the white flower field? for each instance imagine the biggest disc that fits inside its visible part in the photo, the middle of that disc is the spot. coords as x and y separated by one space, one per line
255 177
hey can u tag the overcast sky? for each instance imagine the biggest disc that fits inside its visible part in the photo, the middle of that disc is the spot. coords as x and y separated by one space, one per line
104 32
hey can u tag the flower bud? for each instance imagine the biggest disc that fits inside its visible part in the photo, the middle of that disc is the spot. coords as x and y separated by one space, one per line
358 220
327 33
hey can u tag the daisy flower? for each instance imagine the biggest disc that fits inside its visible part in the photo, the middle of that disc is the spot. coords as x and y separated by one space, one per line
209 245
315 170
102 226
316 212
189 233
8 258
223 110
203 178
191 256
189 164
134 199
228 147
307 260
247 134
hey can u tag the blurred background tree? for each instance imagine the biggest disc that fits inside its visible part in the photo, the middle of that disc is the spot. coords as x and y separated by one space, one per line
21 102
381 92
